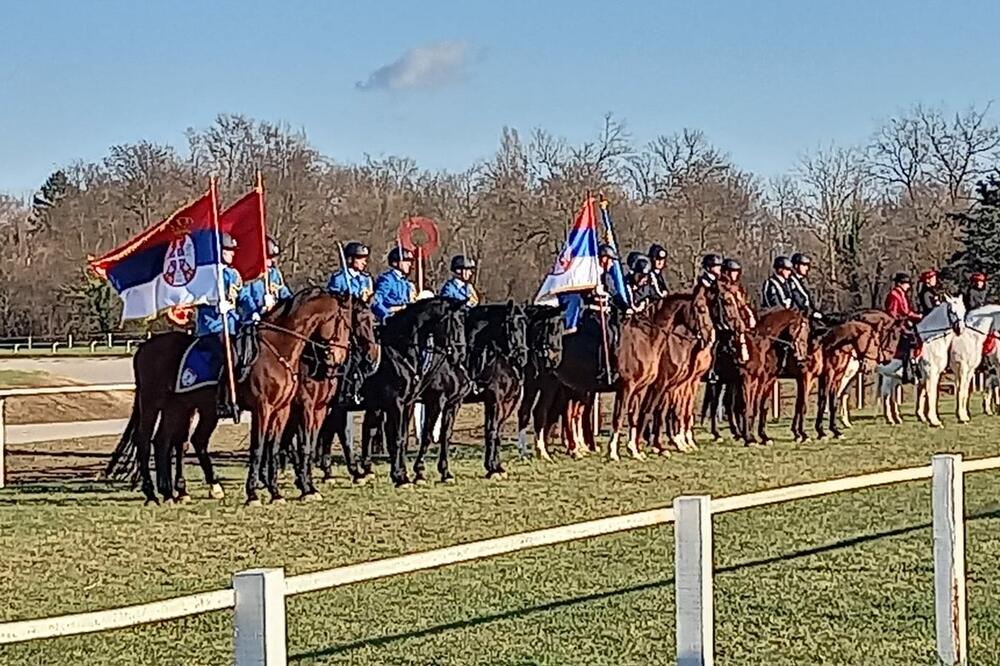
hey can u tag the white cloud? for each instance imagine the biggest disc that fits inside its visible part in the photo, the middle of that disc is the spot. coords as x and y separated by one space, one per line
430 66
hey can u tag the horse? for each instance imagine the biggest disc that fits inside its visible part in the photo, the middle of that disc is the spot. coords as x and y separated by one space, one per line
496 335
936 332
761 370
664 329
266 390
869 339
317 386
672 397
429 331
966 353
545 330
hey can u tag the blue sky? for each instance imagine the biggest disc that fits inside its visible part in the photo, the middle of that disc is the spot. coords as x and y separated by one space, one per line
766 80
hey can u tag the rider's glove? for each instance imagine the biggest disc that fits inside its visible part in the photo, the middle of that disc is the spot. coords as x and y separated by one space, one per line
255 317
225 306
269 301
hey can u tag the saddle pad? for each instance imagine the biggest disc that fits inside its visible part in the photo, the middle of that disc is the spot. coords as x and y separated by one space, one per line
990 343
201 364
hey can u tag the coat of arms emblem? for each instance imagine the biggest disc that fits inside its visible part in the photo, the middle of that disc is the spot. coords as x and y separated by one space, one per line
179 264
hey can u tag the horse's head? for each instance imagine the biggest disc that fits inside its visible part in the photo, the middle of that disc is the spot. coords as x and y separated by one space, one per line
702 322
335 327
955 306
545 335
728 312
364 333
798 330
515 330
449 328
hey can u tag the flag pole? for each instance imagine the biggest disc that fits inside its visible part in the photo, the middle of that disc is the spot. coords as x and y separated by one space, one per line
230 375
263 231
604 314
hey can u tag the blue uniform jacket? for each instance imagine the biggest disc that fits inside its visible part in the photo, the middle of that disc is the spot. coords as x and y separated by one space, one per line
208 319
392 289
257 288
350 281
460 290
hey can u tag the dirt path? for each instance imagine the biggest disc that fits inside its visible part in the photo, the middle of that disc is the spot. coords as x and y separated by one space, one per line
80 370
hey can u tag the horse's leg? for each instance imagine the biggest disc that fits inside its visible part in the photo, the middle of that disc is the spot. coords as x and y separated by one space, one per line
529 395
822 399
372 422
762 417
256 454
713 398
931 388
208 419
963 382
178 444
543 416
333 425
279 422
162 450
622 397
433 405
396 420
448 416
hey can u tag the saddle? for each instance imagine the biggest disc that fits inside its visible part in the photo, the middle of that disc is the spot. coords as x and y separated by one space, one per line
204 360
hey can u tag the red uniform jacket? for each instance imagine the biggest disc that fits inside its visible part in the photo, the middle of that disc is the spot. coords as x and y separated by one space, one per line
897 305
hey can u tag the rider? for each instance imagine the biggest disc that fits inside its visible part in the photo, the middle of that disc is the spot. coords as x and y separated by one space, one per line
658 257
393 290
265 293
897 305
928 293
775 292
802 300
711 269
600 300
732 272
640 283
211 318
353 278
459 287
975 293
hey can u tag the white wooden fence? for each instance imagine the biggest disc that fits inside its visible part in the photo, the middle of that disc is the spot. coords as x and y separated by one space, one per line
258 596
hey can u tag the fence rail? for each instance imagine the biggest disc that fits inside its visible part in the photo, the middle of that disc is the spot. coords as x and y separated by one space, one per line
258 596
52 343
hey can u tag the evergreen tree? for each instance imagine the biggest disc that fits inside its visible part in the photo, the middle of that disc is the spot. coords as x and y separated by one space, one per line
981 235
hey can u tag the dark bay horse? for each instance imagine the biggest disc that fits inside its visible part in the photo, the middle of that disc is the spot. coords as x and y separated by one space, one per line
266 392
540 407
424 339
496 335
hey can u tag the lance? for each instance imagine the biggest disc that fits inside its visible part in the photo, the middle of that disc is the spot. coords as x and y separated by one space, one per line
231 376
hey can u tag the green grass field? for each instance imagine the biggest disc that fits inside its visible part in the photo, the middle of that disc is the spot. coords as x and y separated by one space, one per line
844 579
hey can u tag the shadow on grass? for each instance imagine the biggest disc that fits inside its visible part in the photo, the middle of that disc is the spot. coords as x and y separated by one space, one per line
518 613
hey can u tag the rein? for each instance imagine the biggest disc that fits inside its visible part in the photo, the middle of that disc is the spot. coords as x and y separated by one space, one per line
287 331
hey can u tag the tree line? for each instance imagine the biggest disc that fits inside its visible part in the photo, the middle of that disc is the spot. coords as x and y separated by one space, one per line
922 191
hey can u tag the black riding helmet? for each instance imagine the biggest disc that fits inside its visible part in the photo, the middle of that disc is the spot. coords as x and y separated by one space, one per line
606 250
642 265
731 266
800 259
460 262
901 278
657 251
711 261
273 249
398 254
631 257
356 249
782 262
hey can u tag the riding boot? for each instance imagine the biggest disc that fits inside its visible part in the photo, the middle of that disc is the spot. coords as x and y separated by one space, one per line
907 369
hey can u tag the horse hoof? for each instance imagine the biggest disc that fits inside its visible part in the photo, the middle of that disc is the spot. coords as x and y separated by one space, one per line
183 499
494 476
277 500
152 502
420 481
638 455
614 457
449 479
254 503
330 480
716 439
361 480
216 492
546 457
404 485
312 497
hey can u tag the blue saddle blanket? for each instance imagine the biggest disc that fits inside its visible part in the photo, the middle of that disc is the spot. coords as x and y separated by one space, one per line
201 364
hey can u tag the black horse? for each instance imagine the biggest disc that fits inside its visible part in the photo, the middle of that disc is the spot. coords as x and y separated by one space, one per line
498 354
545 348
423 346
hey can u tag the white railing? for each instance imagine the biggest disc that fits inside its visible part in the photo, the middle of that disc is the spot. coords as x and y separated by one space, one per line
43 390
50 344
258 596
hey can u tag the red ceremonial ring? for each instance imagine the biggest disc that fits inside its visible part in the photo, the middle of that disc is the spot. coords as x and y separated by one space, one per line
412 229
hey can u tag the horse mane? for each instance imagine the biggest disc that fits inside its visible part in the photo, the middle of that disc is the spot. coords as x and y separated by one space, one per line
773 321
285 306
846 333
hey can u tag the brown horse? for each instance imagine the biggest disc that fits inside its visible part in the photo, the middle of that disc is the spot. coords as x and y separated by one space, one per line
317 386
759 374
266 391
870 338
670 328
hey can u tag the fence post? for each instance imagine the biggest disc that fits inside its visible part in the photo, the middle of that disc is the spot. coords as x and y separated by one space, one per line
949 559
776 401
3 437
259 637
110 342
693 580
69 340
93 347
30 342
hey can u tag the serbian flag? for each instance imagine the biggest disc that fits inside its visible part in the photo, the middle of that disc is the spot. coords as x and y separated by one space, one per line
244 221
173 264
576 267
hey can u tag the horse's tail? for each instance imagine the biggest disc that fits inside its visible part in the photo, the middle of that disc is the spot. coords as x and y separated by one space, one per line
123 458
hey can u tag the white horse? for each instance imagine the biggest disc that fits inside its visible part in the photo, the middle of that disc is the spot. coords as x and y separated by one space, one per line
937 330
967 353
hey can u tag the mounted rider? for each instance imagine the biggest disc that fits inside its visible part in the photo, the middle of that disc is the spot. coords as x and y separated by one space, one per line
897 305
459 286
264 293
353 278
210 322
658 260
798 288
711 269
732 272
641 283
928 293
393 289
976 293
775 293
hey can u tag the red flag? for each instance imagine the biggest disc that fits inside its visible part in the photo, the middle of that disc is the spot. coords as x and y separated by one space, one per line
244 221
